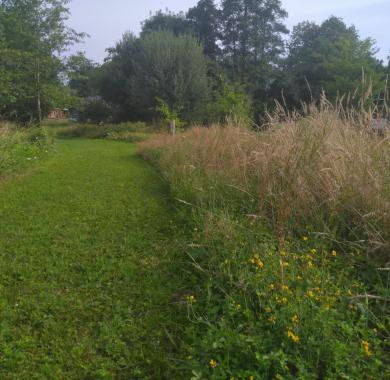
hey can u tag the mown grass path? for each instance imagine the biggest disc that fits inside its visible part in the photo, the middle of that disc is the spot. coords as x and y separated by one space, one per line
87 250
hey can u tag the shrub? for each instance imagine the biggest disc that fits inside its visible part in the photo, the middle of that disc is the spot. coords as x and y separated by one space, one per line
130 132
20 147
94 110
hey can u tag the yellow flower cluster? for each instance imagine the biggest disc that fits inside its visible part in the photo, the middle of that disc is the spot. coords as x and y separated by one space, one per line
310 294
257 262
366 348
295 319
292 336
213 363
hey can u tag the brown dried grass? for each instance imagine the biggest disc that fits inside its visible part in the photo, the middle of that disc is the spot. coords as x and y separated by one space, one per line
325 168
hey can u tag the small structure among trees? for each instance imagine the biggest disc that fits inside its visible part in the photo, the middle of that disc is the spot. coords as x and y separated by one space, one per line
59 114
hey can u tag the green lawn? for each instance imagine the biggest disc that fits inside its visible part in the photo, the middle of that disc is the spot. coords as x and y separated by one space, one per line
88 283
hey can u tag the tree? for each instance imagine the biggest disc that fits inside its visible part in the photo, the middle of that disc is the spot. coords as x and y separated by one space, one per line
115 78
35 33
172 68
81 73
252 34
329 57
204 19
168 21
159 65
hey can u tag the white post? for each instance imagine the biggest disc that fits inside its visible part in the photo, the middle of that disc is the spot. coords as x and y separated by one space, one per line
173 127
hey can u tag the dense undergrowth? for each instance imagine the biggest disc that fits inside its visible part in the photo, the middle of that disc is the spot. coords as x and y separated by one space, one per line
21 147
129 132
291 247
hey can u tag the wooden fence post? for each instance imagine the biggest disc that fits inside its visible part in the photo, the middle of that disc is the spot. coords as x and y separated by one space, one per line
173 127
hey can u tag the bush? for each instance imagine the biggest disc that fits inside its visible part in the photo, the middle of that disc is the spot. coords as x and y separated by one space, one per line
94 110
20 147
230 103
291 226
130 132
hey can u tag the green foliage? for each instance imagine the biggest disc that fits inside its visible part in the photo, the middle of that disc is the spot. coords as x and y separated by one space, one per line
204 19
252 34
81 73
168 114
94 110
21 148
274 314
33 33
159 65
230 102
330 57
168 21
129 132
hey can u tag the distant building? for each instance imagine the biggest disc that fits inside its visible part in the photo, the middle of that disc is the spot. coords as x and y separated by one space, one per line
59 114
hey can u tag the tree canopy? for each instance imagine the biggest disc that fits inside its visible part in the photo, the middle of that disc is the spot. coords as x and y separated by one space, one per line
34 33
201 64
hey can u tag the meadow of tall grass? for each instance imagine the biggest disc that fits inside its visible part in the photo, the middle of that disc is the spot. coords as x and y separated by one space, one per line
290 253
21 147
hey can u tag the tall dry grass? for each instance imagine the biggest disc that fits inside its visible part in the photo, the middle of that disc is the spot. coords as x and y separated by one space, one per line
325 169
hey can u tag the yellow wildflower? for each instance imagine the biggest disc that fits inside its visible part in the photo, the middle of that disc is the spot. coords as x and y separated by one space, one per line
255 260
313 251
366 347
213 363
299 278
238 306
191 299
292 336
283 254
310 264
285 287
334 253
268 309
295 319
272 286
284 300
310 294
305 238
285 264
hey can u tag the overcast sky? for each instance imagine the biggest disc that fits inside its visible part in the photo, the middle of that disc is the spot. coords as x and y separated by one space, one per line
106 20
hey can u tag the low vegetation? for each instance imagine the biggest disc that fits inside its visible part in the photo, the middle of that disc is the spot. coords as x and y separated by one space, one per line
129 132
290 247
84 293
20 147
